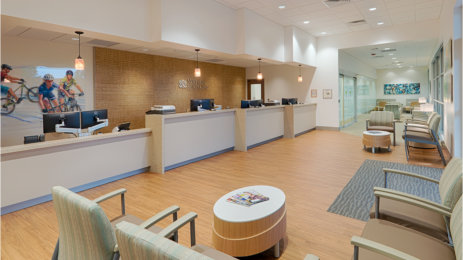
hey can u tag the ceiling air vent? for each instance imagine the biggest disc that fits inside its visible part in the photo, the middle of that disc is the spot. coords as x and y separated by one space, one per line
357 22
334 3
102 43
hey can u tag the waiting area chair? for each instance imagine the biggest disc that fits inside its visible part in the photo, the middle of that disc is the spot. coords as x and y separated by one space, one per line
415 212
136 242
395 109
85 231
426 134
382 239
381 121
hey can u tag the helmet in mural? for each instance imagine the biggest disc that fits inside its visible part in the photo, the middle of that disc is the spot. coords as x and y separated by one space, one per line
69 72
48 77
6 66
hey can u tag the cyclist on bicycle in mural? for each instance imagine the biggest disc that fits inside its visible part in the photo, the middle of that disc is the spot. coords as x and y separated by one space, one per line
65 87
7 90
46 93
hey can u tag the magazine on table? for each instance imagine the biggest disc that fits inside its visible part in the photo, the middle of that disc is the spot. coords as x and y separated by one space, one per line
247 198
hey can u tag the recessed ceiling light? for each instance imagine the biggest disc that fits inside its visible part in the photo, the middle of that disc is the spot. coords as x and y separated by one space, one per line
75 38
387 48
380 23
281 6
396 61
144 49
390 54
306 22
372 9
394 58
323 33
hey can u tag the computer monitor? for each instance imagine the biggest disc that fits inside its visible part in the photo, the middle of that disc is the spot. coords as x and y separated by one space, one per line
207 104
90 118
289 101
70 120
245 103
124 126
255 103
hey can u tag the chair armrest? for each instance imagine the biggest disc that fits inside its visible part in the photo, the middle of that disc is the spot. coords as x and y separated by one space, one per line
160 216
413 197
113 194
311 257
386 170
110 195
439 210
378 248
417 126
174 227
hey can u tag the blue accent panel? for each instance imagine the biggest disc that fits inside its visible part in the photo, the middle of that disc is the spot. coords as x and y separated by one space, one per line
45 198
173 166
264 142
304 132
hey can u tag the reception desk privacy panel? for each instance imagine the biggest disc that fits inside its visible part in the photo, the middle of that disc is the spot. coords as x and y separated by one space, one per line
300 119
256 126
30 171
179 139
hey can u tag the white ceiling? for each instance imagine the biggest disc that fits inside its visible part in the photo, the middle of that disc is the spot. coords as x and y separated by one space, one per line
395 55
335 20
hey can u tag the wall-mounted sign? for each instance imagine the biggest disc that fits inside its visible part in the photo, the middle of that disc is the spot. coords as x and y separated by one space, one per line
192 83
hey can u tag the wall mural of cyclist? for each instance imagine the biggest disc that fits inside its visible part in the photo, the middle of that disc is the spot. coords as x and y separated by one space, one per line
30 91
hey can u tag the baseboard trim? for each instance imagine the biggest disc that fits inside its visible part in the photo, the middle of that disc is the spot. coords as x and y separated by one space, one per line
304 132
46 198
329 128
173 166
264 142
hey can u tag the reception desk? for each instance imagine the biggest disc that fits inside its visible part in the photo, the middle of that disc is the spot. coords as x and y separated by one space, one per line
30 171
256 126
179 139
300 119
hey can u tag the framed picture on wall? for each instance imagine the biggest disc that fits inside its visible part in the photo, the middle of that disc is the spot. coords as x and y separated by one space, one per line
327 94
448 56
313 93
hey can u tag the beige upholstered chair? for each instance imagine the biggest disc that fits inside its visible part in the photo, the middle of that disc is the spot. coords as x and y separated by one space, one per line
382 239
382 121
84 230
427 135
399 207
137 243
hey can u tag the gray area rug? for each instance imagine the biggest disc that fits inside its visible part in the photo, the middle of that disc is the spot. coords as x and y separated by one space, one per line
357 198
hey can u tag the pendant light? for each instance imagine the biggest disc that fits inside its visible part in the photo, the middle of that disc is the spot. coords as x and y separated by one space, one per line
79 62
299 79
197 69
259 75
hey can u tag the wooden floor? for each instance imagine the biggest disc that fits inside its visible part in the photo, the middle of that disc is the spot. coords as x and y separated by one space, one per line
311 169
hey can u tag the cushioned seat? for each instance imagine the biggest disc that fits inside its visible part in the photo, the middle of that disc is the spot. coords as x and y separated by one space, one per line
404 239
418 218
414 217
418 135
382 121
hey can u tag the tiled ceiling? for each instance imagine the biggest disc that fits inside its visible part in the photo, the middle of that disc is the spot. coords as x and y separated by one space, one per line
336 19
395 55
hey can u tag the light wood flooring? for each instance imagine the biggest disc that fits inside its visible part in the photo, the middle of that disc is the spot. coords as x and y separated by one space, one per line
311 169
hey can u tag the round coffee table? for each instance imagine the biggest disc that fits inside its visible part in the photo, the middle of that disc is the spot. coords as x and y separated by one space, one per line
374 138
243 231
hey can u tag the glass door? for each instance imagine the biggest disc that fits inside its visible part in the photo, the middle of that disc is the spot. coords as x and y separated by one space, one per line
347 104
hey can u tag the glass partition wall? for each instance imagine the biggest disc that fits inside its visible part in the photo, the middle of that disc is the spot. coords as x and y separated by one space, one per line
437 86
358 97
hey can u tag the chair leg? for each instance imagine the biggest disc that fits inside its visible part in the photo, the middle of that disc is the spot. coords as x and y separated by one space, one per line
55 253
439 148
393 134
406 148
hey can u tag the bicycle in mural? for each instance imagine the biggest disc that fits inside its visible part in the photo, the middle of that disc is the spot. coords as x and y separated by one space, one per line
8 104
70 105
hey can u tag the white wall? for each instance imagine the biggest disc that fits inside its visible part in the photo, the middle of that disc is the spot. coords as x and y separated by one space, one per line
130 19
260 37
352 66
281 81
405 75
25 55
202 23
300 47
